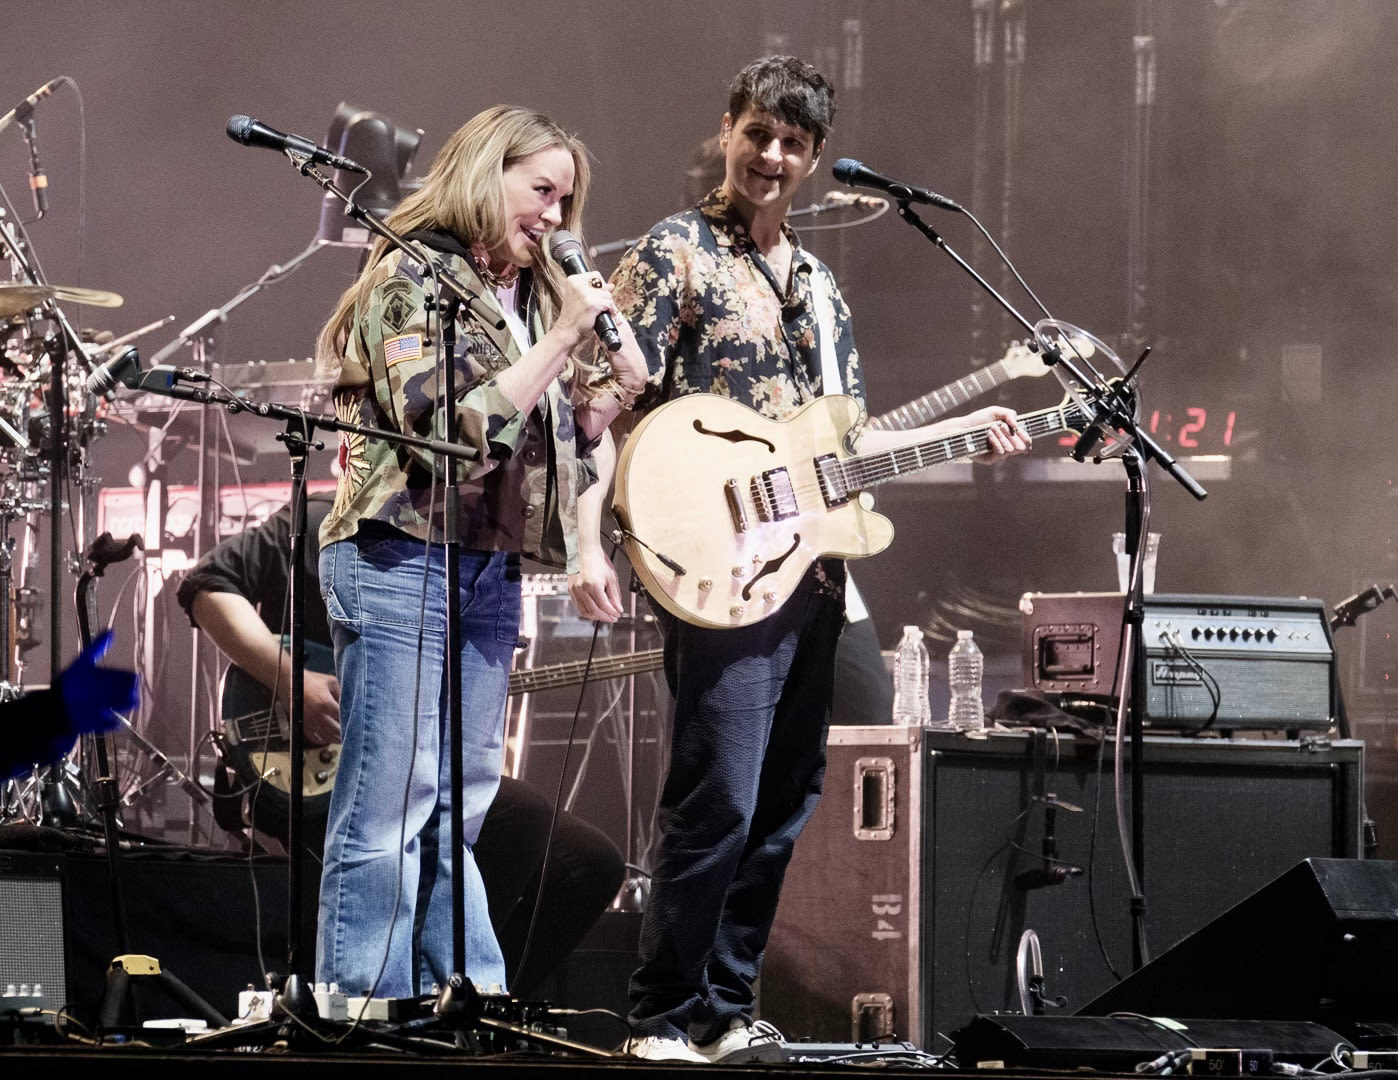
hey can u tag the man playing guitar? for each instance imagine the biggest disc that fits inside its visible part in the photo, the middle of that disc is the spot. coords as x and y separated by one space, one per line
725 300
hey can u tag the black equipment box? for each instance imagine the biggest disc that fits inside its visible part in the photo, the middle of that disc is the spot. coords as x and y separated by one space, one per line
1120 1043
1217 662
901 912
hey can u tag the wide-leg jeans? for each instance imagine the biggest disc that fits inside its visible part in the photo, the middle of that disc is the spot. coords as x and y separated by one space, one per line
385 893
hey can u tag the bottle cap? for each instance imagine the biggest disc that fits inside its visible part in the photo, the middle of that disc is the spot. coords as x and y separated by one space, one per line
963 634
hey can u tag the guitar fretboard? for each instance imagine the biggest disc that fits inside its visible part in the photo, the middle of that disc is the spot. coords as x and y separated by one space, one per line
939 402
868 470
556 676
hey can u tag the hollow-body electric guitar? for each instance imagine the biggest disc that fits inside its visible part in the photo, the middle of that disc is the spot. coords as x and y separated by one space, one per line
723 510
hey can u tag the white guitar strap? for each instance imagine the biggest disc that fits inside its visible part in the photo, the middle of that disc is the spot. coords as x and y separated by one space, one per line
855 608
825 325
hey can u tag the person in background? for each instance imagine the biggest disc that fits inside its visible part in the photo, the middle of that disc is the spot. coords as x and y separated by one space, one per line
237 595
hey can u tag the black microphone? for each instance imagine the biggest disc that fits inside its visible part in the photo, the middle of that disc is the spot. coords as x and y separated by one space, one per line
856 174
124 368
1041 877
250 132
1346 611
568 253
38 182
25 108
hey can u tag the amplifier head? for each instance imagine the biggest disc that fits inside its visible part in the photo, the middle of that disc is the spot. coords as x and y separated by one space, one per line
1211 662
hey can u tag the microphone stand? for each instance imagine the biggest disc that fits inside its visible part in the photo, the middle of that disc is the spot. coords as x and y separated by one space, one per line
1109 408
295 997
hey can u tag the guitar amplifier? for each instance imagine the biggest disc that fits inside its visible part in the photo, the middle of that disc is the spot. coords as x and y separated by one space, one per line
1219 662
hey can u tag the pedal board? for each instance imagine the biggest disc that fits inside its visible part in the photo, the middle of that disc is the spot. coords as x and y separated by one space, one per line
851 1053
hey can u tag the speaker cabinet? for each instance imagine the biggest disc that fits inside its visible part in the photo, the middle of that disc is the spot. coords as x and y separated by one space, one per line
902 913
31 924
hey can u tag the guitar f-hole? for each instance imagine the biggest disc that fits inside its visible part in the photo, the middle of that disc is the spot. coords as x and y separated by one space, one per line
771 566
735 436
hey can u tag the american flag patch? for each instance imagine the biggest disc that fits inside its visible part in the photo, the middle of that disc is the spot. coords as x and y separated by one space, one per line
404 347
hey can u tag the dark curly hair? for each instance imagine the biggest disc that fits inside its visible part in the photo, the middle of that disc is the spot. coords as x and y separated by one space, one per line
788 88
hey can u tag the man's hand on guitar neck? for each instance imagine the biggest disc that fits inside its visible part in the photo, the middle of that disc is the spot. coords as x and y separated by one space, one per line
1005 434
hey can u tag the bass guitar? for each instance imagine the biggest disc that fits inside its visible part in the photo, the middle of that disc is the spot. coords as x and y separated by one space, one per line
723 510
257 737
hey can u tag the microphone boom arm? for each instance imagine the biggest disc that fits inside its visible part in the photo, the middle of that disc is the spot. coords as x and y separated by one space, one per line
1105 401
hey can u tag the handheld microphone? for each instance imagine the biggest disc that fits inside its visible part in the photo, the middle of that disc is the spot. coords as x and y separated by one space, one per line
124 368
250 132
856 174
25 108
849 198
568 253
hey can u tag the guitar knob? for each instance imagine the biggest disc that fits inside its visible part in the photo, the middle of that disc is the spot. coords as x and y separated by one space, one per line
770 596
739 571
322 776
326 755
705 584
736 611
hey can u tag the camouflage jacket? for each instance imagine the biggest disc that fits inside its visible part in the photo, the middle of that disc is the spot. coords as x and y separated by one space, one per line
711 317
519 488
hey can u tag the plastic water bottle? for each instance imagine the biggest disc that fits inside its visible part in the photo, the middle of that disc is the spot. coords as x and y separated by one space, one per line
912 672
965 669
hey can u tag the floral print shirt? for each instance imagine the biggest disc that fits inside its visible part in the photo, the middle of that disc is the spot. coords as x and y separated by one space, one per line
711 317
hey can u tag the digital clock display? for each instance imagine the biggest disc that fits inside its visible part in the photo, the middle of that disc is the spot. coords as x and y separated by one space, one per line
1191 430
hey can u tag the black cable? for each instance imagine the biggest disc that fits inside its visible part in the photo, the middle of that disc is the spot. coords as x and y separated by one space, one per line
558 793
1092 861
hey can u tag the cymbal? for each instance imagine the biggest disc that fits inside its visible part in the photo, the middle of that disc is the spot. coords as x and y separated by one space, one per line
18 297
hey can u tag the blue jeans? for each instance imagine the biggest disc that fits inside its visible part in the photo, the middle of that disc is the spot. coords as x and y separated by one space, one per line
385 891
747 763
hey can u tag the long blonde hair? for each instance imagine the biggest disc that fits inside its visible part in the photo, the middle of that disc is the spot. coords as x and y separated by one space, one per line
463 193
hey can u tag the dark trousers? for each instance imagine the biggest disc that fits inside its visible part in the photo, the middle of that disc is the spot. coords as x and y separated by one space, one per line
747 762
583 874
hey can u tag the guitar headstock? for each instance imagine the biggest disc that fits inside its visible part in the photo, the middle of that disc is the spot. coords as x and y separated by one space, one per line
1023 362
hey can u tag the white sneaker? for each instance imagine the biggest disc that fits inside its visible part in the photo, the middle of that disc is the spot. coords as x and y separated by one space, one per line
745 1042
658 1048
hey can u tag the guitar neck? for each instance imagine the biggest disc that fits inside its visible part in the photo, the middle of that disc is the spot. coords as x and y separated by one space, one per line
557 676
939 402
869 470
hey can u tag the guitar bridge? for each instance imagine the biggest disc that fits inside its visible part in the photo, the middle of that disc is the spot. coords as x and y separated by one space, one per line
774 496
833 488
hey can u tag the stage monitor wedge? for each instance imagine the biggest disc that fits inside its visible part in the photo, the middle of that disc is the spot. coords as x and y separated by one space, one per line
1318 943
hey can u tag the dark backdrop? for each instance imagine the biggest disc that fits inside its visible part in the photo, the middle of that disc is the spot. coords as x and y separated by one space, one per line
1268 226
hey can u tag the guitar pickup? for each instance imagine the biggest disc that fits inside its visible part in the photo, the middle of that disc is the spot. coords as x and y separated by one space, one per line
774 496
833 488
